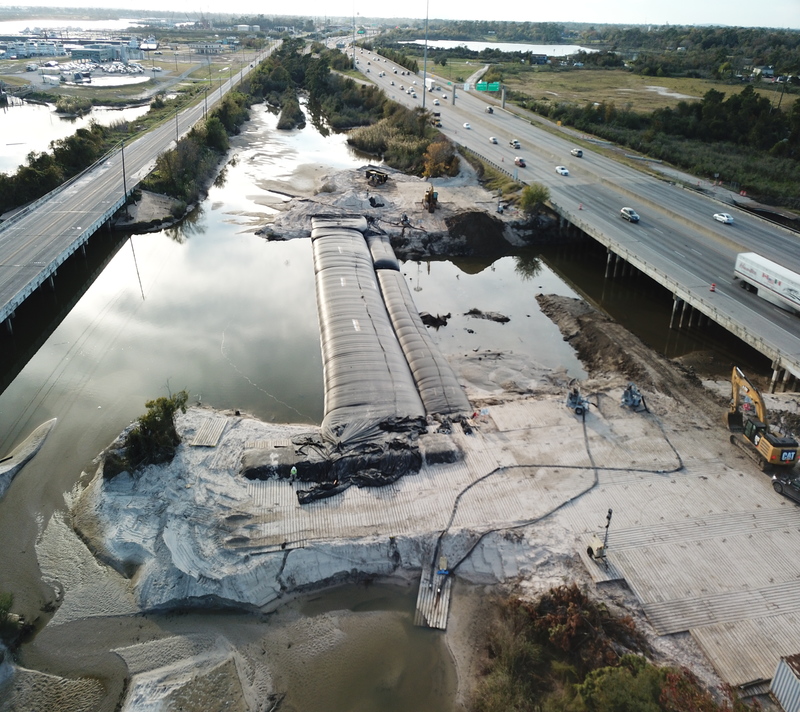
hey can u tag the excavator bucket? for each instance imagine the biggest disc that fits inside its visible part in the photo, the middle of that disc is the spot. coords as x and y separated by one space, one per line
735 422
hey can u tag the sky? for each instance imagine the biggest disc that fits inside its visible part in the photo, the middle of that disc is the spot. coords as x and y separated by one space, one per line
741 13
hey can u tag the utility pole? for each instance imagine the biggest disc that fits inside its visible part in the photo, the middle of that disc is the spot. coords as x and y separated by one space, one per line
354 37
124 180
425 57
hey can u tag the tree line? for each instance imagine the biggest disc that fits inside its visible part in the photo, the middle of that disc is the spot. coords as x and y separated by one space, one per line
740 139
44 171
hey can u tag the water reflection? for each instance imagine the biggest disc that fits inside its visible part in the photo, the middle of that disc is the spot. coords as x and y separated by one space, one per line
30 127
527 266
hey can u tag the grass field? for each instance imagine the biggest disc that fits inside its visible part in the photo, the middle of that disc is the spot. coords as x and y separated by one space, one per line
624 88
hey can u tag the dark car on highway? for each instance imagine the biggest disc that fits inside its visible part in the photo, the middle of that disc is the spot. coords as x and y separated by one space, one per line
788 486
629 214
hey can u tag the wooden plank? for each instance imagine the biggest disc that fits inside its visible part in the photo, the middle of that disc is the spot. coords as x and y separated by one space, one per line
209 433
433 600
267 444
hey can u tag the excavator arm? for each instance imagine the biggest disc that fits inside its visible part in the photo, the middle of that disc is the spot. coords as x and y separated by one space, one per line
740 383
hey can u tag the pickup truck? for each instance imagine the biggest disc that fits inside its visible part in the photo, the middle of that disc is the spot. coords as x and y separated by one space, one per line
513 142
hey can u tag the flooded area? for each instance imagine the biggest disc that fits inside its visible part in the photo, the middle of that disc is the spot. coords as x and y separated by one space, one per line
212 308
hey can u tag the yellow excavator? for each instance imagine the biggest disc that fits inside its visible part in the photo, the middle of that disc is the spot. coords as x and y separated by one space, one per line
752 434
430 200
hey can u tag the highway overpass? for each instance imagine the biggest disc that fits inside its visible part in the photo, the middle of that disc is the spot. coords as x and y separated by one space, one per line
677 242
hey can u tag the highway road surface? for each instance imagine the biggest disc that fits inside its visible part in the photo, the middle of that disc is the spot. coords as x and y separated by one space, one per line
677 242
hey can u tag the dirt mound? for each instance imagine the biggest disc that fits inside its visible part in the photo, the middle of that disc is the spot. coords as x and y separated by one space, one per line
483 234
606 348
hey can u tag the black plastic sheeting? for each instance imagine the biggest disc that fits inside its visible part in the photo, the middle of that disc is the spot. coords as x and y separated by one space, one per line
367 377
436 382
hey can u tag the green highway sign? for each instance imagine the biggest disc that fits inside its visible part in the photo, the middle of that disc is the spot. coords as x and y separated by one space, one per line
494 86
481 86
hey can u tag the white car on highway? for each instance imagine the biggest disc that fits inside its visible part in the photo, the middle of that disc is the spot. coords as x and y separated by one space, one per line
724 218
467 126
492 139
562 170
436 102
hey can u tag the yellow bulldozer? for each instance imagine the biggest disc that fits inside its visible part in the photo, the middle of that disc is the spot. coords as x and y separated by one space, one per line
752 434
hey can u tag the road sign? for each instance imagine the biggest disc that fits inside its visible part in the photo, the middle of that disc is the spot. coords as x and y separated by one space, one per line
494 86
481 86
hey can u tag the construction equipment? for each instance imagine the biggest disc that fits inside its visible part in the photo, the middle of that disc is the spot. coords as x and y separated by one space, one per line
375 177
752 434
577 403
430 199
632 398
597 547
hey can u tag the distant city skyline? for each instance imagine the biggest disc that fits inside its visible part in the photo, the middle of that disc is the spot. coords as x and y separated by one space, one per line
739 13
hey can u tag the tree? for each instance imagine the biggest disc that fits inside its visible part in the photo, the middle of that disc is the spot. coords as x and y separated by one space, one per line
439 158
634 686
152 440
216 136
533 197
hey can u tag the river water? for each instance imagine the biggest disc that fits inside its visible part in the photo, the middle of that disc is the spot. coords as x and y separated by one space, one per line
26 127
210 307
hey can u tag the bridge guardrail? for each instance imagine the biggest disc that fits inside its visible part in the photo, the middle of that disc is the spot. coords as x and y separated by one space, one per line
688 295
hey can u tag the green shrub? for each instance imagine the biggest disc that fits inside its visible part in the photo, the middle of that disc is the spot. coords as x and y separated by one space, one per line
152 440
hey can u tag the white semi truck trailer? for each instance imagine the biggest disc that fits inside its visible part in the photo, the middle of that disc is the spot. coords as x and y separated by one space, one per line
771 281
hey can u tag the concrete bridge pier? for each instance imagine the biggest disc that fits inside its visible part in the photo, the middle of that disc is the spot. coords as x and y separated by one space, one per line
684 308
676 303
9 324
609 261
618 266
781 374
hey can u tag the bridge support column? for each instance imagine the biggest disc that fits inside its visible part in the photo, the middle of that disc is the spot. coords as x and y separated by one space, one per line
9 325
683 313
676 303
609 260
52 282
777 372
787 377
617 266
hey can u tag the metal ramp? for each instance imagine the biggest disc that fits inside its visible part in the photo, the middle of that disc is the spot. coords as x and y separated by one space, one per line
433 599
